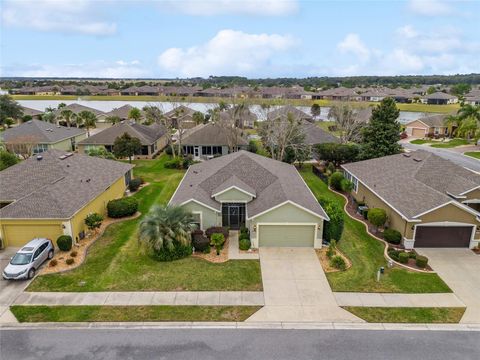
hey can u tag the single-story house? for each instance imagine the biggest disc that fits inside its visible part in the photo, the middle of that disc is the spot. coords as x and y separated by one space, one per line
285 111
431 201
33 113
122 112
78 108
152 137
39 136
181 115
51 194
439 98
243 118
473 97
315 135
206 141
267 196
433 125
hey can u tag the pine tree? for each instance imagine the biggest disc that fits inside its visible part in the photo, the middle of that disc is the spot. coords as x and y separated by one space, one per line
380 137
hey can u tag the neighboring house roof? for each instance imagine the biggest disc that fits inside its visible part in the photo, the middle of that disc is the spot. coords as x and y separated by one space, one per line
416 182
209 134
77 108
146 134
285 111
242 116
272 182
57 186
31 112
316 135
440 95
433 120
122 112
41 132
179 111
363 115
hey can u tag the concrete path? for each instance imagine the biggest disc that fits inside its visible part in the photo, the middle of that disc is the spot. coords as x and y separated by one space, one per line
296 289
142 298
233 251
397 300
460 269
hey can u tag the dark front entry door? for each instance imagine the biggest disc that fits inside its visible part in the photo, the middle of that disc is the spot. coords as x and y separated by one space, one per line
233 215
443 236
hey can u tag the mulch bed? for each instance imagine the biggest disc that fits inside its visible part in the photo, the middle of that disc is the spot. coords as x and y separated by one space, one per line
476 251
212 256
325 261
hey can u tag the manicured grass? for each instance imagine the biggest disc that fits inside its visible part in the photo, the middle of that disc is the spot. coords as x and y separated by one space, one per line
420 141
366 255
474 154
89 313
441 144
444 109
408 314
325 124
115 262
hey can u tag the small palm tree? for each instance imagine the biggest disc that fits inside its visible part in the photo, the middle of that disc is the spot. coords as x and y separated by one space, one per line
164 226
469 111
67 116
451 121
113 119
87 119
135 114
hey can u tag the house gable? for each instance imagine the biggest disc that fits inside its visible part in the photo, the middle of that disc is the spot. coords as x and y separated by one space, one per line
233 194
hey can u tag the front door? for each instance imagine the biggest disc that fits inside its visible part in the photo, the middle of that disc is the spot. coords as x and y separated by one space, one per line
196 152
233 215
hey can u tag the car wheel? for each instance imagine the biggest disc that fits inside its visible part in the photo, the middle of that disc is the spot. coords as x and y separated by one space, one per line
50 254
31 273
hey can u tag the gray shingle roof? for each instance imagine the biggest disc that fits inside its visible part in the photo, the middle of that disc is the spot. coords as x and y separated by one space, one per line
146 134
440 95
415 182
30 111
273 182
41 132
179 111
53 188
316 135
77 108
122 112
434 120
209 134
284 111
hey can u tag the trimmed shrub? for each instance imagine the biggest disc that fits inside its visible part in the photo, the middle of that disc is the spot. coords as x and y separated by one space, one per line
377 216
331 249
64 242
217 240
403 257
200 242
134 184
244 236
335 180
244 244
333 229
168 150
421 261
70 261
93 221
119 208
216 229
179 252
244 230
392 236
393 254
73 254
175 163
53 263
338 263
412 255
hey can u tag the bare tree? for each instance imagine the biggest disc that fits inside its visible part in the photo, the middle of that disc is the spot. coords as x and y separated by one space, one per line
22 146
347 121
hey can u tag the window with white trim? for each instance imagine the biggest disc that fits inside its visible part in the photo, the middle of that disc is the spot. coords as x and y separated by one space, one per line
197 220
353 179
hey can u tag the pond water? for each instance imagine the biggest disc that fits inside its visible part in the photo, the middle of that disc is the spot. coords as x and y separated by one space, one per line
405 116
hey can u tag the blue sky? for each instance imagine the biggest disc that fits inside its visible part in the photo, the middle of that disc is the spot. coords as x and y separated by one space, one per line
253 38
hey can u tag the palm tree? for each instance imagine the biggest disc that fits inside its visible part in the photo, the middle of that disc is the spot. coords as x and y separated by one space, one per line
87 119
67 116
166 226
113 119
135 114
468 128
451 121
469 110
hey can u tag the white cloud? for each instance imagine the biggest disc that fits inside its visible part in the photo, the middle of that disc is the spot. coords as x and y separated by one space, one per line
407 32
430 7
354 45
97 69
69 16
229 52
235 7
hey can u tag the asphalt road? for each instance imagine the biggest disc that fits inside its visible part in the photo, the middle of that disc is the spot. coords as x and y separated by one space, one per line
242 344
459 159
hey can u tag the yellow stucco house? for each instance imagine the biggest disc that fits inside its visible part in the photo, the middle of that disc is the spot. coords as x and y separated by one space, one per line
431 201
50 194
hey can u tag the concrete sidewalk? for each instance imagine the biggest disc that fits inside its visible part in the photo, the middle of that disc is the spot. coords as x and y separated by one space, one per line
397 300
142 298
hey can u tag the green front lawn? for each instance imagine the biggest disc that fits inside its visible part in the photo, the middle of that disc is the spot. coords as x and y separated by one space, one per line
407 314
474 154
116 263
441 144
89 313
366 254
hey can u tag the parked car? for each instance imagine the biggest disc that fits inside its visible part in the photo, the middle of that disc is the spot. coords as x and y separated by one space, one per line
28 259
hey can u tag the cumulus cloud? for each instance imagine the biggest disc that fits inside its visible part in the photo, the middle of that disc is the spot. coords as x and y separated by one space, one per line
97 69
72 16
354 45
228 52
430 7
234 7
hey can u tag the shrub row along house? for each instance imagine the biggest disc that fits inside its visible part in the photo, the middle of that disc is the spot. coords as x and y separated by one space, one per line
431 201
51 194
243 189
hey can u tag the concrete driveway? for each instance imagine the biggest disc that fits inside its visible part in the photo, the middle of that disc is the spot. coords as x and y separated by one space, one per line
296 288
460 269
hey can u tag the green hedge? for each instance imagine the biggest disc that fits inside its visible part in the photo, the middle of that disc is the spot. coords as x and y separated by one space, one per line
333 229
123 207
392 236
244 244
64 242
179 252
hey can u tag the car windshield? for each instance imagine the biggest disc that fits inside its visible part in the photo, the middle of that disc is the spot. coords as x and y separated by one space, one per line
21 259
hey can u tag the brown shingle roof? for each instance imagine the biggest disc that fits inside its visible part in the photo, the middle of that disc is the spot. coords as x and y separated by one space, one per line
273 182
77 108
209 134
41 132
53 188
315 135
284 111
434 120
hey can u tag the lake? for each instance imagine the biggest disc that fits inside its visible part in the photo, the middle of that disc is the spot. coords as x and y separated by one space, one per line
105 106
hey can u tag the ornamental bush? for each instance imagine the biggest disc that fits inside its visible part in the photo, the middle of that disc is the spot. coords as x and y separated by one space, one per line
53 263
336 180
338 263
175 163
217 240
421 261
377 216
216 229
179 251
199 241
333 229
392 236
69 261
73 254
93 221
134 184
244 244
403 257
119 208
64 242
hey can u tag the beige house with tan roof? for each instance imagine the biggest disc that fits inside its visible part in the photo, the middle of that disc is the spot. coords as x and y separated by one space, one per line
431 201
433 125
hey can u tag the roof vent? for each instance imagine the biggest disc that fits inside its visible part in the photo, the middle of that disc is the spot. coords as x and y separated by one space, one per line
407 155
62 157
39 157
58 126
30 121
68 154
417 159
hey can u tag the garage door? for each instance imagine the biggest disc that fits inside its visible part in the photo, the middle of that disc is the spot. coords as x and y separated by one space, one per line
418 132
19 235
286 235
443 236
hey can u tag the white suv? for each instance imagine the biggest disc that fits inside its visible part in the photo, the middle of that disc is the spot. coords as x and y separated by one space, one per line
28 259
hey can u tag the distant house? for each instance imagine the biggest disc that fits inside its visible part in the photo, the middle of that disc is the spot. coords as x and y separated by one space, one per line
244 118
473 97
40 136
181 115
206 141
433 125
439 98
51 195
122 112
285 111
153 138
34 114
78 108
315 135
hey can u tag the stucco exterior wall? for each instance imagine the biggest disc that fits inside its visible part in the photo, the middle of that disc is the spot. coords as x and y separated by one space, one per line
209 217
66 145
233 195
21 231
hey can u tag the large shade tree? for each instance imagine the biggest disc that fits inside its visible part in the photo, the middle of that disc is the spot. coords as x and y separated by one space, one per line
126 146
9 109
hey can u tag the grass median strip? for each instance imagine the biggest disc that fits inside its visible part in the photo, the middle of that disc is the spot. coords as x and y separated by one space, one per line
89 313
436 315
474 154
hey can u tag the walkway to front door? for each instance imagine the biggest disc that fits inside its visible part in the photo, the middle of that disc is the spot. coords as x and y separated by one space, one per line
296 288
